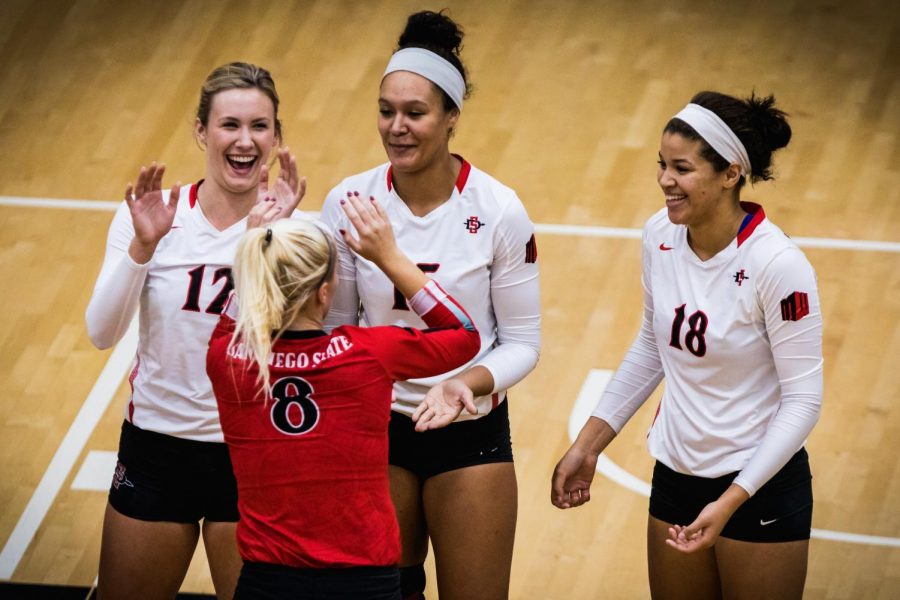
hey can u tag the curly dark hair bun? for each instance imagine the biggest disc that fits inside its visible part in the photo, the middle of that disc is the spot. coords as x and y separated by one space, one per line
440 34
770 122
432 30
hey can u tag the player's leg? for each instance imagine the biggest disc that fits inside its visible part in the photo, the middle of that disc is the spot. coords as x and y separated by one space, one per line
406 494
217 487
758 570
763 550
678 498
143 559
222 553
471 515
675 575
405 473
149 530
471 500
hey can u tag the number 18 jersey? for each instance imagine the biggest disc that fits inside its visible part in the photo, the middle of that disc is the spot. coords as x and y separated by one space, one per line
739 339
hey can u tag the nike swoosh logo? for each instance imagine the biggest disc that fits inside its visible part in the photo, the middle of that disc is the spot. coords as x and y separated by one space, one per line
764 523
664 247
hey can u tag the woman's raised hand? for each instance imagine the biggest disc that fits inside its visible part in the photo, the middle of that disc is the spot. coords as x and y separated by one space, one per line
376 236
151 216
283 197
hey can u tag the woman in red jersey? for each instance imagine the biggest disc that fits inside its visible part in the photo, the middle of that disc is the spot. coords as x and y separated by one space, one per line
305 413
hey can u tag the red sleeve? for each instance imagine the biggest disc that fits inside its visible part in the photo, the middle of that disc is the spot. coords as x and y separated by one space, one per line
407 353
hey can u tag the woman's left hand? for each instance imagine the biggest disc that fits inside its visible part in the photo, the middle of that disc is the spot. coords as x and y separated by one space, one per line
442 404
283 198
705 529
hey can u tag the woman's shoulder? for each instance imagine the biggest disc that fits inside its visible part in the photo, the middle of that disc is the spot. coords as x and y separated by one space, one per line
658 223
485 193
483 181
768 242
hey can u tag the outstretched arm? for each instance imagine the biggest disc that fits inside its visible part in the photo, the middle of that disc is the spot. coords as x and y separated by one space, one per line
138 226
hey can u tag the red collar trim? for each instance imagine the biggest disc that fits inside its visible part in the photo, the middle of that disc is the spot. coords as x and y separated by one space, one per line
463 176
758 216
461 179
192 196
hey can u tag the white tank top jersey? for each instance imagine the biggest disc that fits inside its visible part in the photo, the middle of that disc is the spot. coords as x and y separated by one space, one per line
181 292
739 340
479 245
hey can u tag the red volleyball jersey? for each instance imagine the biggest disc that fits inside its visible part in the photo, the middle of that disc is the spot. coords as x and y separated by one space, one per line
311 460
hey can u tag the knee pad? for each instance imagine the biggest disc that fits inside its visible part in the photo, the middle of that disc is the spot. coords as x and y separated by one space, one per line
412 582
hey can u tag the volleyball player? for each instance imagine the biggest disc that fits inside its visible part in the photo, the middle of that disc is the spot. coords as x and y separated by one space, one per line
305 413
732 321
170 253
456 485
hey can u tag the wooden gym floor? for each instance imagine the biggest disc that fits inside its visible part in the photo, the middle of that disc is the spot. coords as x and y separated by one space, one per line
569 101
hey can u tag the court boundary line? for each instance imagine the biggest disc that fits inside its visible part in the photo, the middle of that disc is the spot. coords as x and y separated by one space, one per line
593 386
69 450
596 231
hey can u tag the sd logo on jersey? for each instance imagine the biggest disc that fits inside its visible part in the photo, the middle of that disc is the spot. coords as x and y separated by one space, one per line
473 224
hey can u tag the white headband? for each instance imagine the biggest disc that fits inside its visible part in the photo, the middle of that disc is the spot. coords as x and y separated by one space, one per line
717 134
433 68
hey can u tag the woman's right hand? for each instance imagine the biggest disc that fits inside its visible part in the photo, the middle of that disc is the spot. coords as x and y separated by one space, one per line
151 217
572 477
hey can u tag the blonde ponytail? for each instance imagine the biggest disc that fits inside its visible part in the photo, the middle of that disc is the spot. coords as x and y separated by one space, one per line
277 270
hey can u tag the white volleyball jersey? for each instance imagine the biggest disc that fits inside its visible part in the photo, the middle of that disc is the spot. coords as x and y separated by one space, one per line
186 284
738 338
479 245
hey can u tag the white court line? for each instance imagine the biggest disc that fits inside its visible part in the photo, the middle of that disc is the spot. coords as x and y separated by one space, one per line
546 228
73 443
591 390
57 203
96 471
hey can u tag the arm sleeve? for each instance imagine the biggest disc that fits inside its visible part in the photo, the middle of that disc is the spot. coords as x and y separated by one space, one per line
345 306
117 292
407 353
641 369
790 301
516 300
